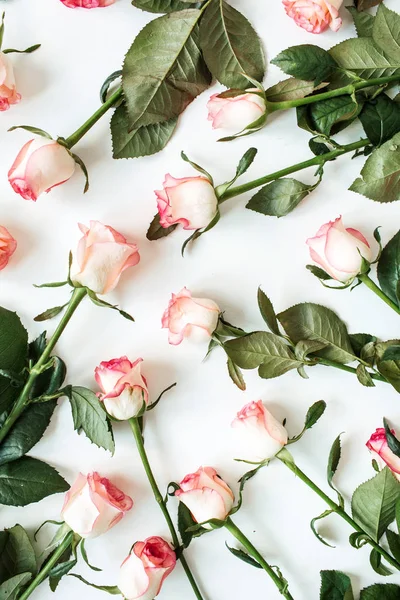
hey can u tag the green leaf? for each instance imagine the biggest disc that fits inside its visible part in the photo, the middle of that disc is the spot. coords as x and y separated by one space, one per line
164 69
236 375
358 539
306 347
28 50
394 543
50 313
335 585
142 141
156 232
280 197
28 480
389 267
375 559
89 416
333 463
363 57
267 311
314 414
360 340
306 62
364 377
373 503
391 353
244 556
17 555
393 442
310 321
380 591
185 522
326 113
386 32
366 4
380 118
27 431
390 369
9 589
291 89
363 21
162 6
13 354
230 46
264 350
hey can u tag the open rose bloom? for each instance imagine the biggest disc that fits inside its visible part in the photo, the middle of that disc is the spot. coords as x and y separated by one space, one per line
93 505
123 386
40 165
190 201
8 245
338 250
206 495
102 256
261 436
315 16
379 447
8 90
143 572
236 112
87 3
186 316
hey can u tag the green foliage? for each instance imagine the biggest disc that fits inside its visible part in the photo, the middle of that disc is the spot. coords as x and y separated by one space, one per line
242 555
335 585
363 21
11 588
156 232
162 6
280 197
380 118
306 62
386 32
388 268
390 369
17 555
13 354
291 89
267 311
236 375
381 591
364 58
90 417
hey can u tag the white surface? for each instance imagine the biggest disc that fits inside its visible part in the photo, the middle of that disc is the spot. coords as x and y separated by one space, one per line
59 85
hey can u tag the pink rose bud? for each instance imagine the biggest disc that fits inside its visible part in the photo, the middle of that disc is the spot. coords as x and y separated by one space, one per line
101 257
339 251
7 246
236 112
40 165
379 447
124 388
314 15
190 201
206 495
87 3
93 505
195 318
8 91
143 572
260 434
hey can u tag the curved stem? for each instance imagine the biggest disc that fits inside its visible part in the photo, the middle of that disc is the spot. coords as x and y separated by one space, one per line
331 363
96 116
343 91
377 290
252 550
43 573
137 434
37 369
339 510
316 161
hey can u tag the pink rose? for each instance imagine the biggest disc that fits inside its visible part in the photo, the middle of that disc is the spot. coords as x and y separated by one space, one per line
40 165
237 112
190 317
261 435
206 495
87 3
8 91
124 387
338 250
7 246
93 505
378 445
101 257
314 15
190 201
143 572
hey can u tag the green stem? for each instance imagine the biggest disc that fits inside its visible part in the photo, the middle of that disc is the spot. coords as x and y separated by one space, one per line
96 116
43 573
37 369
339 510
137 434
377 290
343 91
331 363
252 550
316 161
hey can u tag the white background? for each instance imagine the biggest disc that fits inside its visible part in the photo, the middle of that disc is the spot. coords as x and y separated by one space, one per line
60 85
